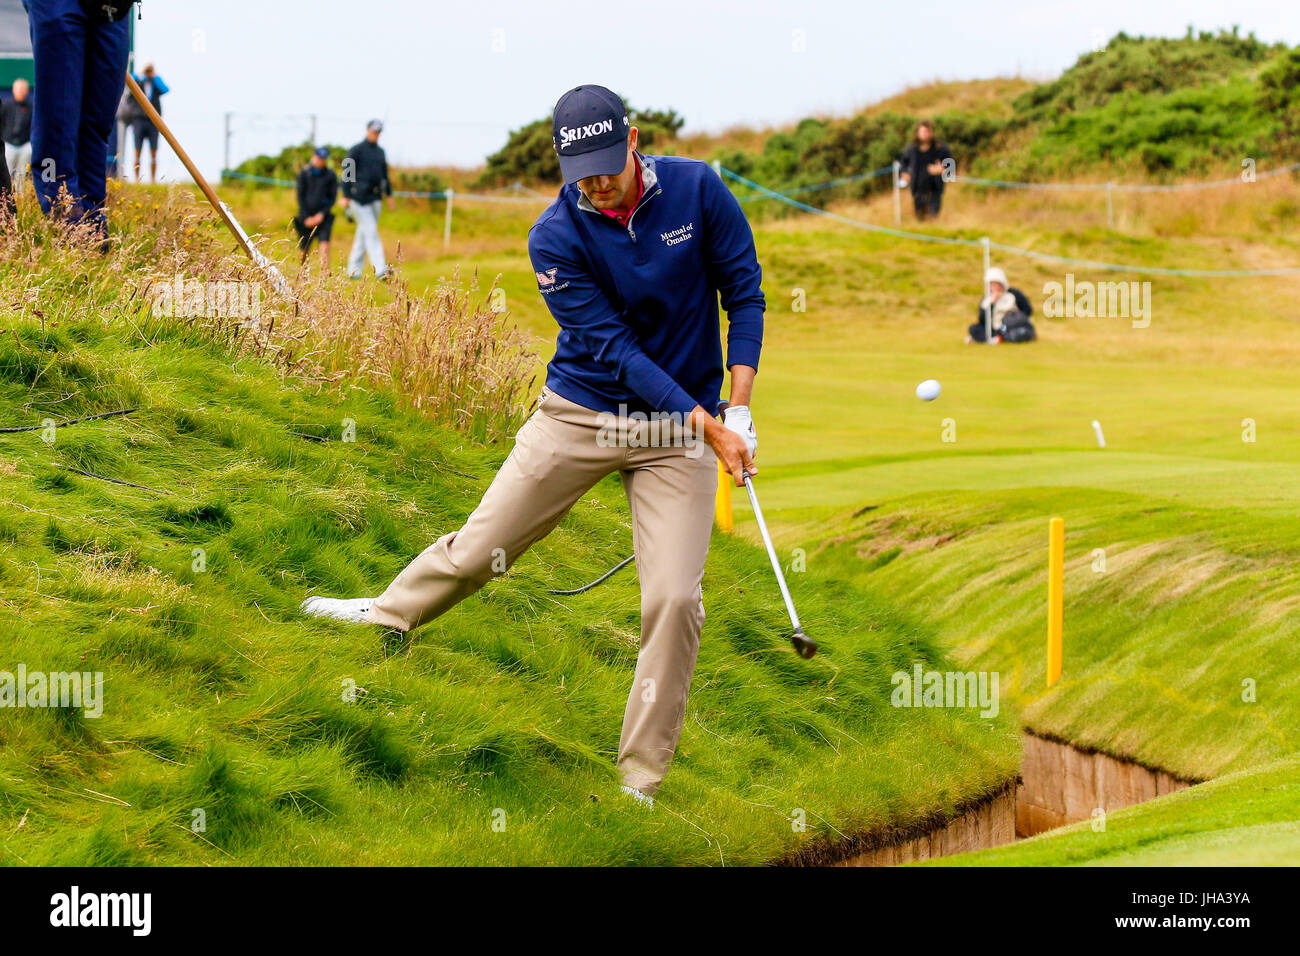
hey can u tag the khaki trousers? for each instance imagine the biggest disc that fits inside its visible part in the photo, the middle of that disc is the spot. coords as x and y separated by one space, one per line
561 451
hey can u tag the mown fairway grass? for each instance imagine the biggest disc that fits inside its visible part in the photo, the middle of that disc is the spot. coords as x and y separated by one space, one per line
1197 601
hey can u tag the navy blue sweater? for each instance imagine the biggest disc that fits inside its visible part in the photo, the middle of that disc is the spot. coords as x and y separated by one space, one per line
686 245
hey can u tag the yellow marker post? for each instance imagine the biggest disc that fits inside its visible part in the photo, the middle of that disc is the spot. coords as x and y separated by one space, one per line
1055 597
722 501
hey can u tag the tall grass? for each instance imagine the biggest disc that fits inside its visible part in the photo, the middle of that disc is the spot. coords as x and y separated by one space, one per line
447 352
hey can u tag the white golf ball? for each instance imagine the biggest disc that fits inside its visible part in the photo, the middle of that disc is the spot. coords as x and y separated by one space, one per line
928 390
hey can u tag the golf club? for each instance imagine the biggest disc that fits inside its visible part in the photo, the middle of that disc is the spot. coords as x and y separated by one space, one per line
804 646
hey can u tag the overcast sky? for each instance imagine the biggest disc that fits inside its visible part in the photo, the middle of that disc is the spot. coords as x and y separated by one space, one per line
452 79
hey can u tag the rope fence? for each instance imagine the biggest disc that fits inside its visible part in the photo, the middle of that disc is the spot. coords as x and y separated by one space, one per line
450 195
985 242
1108 188
1129 187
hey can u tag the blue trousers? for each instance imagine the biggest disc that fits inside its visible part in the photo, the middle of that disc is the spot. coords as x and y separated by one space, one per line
80 74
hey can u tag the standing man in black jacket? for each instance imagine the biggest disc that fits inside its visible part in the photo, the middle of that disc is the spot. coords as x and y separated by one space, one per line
924 167
365 183
318 187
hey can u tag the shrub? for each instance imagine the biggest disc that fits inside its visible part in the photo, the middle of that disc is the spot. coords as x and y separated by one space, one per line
286 163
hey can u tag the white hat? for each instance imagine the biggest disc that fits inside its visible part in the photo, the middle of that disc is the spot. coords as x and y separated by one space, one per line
996 275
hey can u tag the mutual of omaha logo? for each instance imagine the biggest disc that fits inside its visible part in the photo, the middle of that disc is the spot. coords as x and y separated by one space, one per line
680 234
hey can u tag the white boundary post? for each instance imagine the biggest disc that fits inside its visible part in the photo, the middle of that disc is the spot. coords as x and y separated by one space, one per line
446 226
988 292
1110 207
717 167
898 198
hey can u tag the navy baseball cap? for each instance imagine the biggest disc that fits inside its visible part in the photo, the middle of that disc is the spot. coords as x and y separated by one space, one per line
323 152
590 130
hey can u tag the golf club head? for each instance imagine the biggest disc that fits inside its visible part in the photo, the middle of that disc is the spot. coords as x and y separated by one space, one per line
804 645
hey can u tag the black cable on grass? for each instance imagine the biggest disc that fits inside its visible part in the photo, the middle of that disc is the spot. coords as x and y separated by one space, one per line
453 471
71 421
600 580
436 464
116 481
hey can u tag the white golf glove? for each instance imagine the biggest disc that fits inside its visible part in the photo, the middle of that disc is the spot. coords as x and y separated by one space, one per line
737 419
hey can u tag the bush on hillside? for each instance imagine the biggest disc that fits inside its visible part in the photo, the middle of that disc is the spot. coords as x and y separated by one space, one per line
286 164
1279 94
1163 106
1186 132
818 151
1141 65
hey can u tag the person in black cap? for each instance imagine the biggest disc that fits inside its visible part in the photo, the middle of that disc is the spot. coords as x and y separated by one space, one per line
632 259
365 183
318 187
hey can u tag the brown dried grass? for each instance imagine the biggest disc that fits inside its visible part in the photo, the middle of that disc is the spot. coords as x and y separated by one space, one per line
444 352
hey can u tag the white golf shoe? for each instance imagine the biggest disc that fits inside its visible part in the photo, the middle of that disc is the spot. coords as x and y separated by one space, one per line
644 799
351 610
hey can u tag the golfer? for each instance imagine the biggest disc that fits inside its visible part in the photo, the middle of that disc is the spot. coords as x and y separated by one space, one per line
365 184
631 259
318 187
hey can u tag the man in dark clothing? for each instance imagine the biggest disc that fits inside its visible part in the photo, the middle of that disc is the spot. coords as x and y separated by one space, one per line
16 131
142 128
80 51
365 183
318 187
924 167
